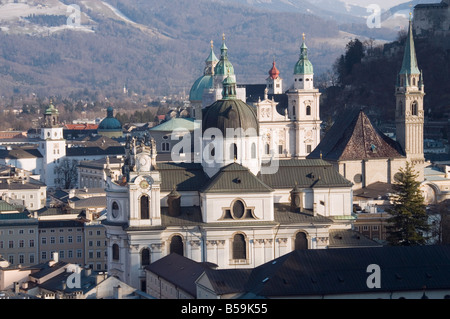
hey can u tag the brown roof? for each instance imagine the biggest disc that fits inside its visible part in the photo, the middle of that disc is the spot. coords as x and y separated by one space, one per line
353 137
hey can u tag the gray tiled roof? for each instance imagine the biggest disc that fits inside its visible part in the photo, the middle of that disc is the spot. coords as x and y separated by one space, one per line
179 270
185 176
344 271
237 179
307 173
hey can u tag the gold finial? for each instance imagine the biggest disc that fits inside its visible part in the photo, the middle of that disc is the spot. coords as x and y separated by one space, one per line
223 36
212 44
303 35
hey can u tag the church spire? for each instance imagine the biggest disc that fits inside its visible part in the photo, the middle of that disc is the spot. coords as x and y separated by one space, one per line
409 65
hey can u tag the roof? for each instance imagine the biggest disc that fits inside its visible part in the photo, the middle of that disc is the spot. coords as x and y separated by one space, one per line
303 65
185 176
20 153
230 114
110 123
340 238
306 173
353 137
202 83
179 270
344 271
235 178
95 201
4 206
374 190
89 151
46 269
176 123
228 281
409 64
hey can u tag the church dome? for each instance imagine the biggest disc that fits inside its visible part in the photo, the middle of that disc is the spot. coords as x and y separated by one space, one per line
224 66
303 65
230 113
202 83
110 126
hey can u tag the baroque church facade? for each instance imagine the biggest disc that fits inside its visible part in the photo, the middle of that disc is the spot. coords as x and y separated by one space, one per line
238 206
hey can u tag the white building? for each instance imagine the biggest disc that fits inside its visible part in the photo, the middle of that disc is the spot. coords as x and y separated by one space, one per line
229 207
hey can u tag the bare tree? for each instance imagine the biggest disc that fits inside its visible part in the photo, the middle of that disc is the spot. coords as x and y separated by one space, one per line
67 174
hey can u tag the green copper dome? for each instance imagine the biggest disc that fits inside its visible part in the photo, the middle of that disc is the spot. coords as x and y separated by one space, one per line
110 123
51 109
202 83
224 66
303 65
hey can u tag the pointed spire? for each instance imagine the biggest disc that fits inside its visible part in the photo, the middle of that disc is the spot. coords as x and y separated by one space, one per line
409 64
212 57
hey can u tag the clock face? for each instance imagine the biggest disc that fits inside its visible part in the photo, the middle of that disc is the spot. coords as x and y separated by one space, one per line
143 184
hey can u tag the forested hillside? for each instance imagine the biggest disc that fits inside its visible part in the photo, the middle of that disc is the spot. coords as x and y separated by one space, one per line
365 77
111 52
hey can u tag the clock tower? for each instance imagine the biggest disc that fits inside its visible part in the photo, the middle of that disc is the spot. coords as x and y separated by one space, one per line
133 205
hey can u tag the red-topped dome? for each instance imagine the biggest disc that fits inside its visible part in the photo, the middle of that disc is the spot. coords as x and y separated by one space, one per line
274 73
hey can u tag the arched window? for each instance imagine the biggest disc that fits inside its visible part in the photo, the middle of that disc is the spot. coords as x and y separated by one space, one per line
239 247
414 81
145 257
176 245
145 207
115 252
233 151
267 149
308 110
115 209
301 242
414 108
253 150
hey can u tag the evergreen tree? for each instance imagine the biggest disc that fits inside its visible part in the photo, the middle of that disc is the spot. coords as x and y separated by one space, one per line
408 224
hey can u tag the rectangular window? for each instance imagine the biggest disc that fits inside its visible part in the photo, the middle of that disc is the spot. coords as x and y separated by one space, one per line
308 148
21 243
21 259
79 253
44 240
52 240
31 258
70 254
61 239
11 244
69 239
43 255
79 239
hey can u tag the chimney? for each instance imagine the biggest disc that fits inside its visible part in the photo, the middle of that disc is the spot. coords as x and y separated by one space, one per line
87 271
55 257
16 287
117 292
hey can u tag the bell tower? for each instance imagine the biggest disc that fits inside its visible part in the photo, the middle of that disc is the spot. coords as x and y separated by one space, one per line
303 107
409 114
52 146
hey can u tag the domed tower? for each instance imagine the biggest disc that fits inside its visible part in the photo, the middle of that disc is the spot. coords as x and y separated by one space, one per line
303 106
230 132
274 82
205 82
52 146
110 126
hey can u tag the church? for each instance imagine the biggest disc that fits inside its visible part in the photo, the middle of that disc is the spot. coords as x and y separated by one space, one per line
241 204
